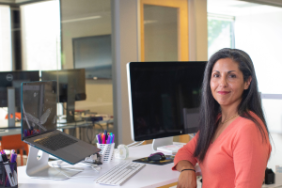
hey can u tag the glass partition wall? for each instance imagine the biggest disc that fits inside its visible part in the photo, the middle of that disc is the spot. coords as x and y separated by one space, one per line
86 44
68 41
30 42
5 44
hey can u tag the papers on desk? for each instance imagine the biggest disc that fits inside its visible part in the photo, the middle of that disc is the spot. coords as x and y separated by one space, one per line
170 149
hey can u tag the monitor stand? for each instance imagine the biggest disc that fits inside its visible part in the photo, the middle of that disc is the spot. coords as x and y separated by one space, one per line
71 99
39 167
161 142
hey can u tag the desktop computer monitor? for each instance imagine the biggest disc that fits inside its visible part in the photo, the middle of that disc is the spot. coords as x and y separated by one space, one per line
164 98
14 79
70 87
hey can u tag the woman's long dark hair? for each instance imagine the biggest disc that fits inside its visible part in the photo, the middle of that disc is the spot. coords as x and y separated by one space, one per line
210 109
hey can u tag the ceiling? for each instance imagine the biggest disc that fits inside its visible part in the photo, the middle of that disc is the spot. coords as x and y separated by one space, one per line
237 8
18 2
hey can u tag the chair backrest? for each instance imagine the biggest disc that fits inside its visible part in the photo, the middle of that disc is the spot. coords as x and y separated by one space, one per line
13 142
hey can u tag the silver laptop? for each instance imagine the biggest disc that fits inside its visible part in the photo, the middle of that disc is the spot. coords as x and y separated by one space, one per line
39 124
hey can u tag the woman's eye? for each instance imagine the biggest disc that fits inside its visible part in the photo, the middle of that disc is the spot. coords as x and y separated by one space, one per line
233 76
215 75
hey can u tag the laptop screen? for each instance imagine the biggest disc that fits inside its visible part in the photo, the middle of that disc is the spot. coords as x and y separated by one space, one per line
39 108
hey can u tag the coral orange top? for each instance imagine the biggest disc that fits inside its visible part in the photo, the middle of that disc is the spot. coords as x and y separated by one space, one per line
237 158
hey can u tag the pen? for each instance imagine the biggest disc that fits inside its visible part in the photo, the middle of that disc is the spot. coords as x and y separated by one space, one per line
113 138
106 134
100 139
9 173
4 159
97 137
109 139
103 138
13 159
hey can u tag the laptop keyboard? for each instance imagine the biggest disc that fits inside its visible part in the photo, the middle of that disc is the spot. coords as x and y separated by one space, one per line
56 141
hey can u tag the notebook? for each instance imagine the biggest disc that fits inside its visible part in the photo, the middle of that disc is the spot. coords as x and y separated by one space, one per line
39 124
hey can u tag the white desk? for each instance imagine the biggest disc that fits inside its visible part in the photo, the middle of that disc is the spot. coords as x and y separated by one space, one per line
5 130
11 131
149 176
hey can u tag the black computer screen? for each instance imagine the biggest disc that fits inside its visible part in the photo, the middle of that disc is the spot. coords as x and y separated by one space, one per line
93 53
14 79
164 98
68 80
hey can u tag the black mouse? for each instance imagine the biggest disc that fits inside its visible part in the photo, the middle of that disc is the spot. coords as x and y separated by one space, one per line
157 156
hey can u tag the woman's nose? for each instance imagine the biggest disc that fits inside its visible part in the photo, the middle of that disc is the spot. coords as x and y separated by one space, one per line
223 81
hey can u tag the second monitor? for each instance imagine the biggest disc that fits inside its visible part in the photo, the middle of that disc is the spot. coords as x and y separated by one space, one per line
70 87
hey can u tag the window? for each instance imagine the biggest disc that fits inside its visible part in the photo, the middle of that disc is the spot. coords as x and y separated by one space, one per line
5 39
220 33
41 36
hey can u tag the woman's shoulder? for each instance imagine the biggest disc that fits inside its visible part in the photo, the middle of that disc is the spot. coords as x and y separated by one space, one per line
246 118
244 125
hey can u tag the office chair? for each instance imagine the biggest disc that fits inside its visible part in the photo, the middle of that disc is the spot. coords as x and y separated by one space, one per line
14 142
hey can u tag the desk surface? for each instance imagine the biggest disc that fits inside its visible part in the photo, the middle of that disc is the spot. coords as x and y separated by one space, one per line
149 176
14 131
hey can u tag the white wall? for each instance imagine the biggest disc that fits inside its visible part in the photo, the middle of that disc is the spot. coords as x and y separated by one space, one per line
259 34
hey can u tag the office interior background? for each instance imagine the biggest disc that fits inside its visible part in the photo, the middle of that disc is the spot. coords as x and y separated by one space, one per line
63 34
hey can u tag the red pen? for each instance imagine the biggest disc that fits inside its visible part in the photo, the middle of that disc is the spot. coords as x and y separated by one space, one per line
103 138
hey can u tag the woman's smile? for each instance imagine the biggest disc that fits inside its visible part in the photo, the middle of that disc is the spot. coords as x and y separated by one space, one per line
223 92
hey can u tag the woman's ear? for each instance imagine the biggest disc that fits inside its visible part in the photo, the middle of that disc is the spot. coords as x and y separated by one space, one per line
248 82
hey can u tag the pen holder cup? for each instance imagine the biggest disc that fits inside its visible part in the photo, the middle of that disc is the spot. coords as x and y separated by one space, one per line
107 151
8 174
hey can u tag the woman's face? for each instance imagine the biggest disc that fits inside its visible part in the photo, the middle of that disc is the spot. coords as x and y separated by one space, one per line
227 83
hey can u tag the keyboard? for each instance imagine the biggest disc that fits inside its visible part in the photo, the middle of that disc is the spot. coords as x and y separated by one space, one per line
120 173
56 141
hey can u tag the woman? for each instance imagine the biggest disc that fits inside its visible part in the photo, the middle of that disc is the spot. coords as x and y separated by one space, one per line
232 146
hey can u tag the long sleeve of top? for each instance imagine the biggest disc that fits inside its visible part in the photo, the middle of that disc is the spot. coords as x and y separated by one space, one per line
236 159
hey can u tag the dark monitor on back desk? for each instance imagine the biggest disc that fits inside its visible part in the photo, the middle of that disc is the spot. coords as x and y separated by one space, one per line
13 80
70 87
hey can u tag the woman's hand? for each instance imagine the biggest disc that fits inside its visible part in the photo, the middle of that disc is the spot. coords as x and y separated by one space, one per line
187 178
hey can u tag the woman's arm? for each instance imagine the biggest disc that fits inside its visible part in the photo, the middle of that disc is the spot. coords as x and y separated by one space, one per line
250 156
186 153
185 159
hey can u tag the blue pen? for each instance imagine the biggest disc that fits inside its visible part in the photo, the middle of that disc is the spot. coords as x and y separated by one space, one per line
113 138
106 134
